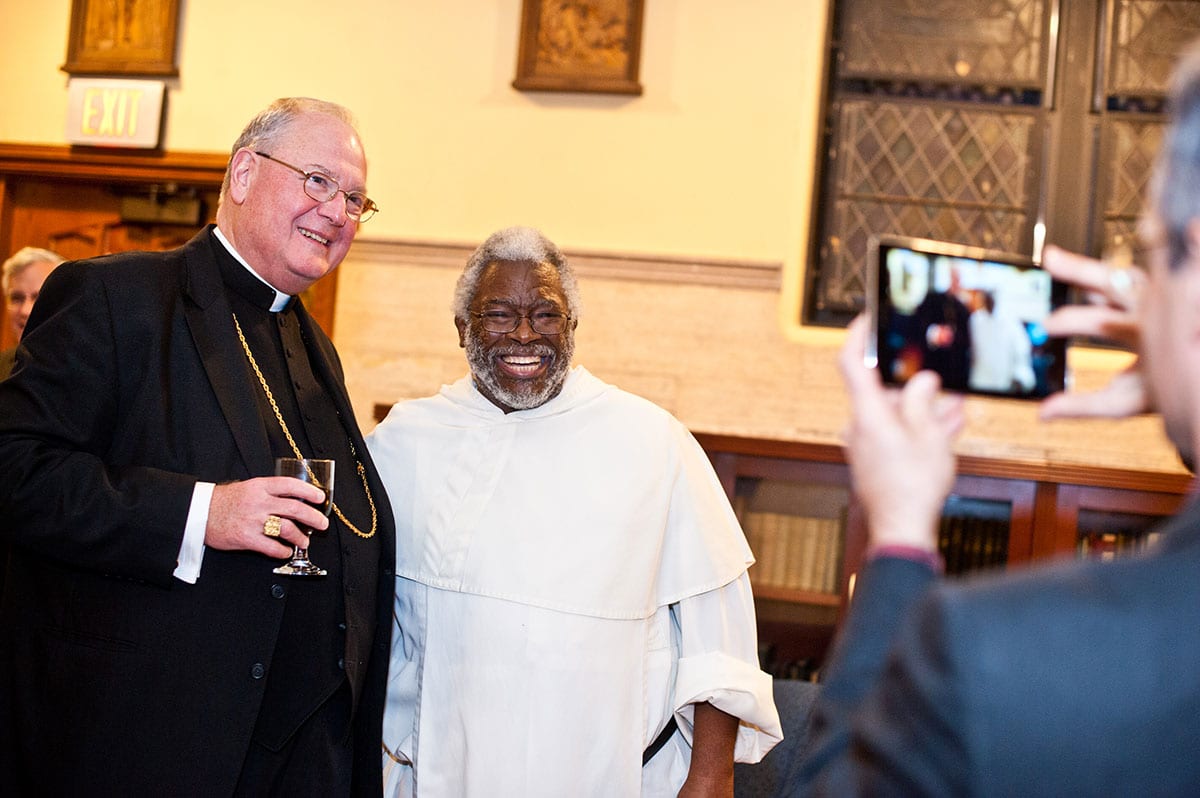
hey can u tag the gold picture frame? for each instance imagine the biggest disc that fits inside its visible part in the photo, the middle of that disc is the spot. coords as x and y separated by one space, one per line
123 37
580 45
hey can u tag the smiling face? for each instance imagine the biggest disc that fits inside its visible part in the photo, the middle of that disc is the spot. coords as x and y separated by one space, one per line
521 369
290 239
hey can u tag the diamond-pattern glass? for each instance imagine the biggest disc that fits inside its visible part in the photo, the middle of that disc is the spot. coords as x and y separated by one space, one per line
1145 39
1131 145
1134 144
944 172
938 116
1147 35
973 41
1120 237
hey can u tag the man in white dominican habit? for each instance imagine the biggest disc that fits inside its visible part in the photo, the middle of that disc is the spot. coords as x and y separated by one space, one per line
573 613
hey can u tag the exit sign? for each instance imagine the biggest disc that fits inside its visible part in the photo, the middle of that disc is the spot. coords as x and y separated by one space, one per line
114 113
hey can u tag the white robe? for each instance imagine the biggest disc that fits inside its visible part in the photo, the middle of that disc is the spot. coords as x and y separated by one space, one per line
1001 353
567 578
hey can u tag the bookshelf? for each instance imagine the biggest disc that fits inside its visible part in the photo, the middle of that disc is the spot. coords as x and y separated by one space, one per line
1001 514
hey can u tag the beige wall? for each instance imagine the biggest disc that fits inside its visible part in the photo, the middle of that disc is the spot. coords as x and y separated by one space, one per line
713 161
704 163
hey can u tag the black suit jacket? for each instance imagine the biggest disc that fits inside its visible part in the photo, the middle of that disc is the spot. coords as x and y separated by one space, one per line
1076 679
115 677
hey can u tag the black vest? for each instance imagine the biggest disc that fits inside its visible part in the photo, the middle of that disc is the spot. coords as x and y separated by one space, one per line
308 664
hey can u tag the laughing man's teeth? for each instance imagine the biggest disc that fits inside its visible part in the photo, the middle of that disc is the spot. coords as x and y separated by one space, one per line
314 236
522 365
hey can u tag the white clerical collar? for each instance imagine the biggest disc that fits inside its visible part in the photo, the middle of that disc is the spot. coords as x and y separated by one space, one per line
281 299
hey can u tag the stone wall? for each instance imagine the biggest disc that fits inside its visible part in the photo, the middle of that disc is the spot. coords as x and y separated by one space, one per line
702 338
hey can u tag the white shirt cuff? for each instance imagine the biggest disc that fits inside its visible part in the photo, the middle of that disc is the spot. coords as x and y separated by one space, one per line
191 552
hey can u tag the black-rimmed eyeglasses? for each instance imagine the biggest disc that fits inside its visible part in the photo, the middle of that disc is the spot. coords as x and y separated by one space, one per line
322 188
542 322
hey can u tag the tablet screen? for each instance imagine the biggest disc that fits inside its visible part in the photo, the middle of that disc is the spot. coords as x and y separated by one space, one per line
974 316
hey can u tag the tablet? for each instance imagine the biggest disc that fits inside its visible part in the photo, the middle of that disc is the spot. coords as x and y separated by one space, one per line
972 315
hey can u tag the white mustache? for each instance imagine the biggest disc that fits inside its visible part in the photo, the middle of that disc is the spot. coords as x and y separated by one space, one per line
541 350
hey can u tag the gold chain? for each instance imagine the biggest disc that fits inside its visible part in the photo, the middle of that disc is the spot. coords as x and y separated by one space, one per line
362 472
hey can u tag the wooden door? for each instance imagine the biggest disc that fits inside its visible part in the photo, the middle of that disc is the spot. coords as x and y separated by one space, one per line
83 202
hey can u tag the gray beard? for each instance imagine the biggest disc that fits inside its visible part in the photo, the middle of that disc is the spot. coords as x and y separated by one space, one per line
483 370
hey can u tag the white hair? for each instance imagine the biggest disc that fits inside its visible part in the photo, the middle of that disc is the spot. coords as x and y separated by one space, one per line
520 244
25 257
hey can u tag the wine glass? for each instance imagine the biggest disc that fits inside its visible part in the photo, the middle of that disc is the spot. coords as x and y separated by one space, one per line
319 473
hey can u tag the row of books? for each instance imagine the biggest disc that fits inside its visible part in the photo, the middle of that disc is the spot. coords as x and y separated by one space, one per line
804 553
795 551
1110 545
970 544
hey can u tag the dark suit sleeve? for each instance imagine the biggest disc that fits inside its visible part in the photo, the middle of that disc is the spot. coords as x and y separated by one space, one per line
884 687
67 491
911 735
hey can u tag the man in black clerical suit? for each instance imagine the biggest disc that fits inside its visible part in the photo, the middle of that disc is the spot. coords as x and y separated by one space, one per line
146 647
942 322
1075 678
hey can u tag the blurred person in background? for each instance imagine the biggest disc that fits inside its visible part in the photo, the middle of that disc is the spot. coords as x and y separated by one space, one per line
22 278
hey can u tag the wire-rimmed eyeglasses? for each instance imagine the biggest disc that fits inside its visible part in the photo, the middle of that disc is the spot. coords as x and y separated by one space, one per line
322 188
542 322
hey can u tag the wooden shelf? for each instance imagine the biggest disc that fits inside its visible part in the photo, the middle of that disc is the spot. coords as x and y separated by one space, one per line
109 165
1043 505
798 596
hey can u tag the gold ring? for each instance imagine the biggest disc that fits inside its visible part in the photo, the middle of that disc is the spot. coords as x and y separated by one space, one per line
271 526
